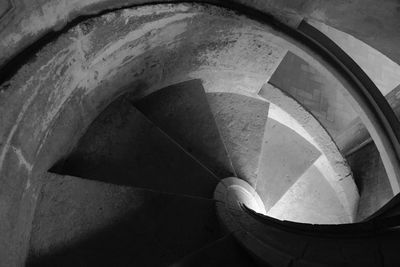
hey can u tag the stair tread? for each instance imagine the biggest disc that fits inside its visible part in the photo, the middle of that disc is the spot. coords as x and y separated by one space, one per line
285 157
79 222
310 199
223 252
314 91
182 112
241 121
123 147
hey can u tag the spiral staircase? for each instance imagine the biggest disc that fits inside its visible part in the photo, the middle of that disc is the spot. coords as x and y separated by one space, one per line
132 141
138 188
143 184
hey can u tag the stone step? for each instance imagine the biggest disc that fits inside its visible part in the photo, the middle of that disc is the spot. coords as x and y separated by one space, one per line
241 121
123 147
223 252
319 94
285 157
182 112
79 222
310 199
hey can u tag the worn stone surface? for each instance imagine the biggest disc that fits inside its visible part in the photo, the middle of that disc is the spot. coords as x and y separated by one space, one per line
183 113
356 133
310 200
49 103
223 252
285 157
123 147
241 121
61 87
380 69
331 163
362 19
371 179
315 92
354 136
88 223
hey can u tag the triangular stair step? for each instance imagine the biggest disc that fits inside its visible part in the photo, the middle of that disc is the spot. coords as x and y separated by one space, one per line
310 200
315 92
285 157
80 222
183 113
223 252
123 147
241 121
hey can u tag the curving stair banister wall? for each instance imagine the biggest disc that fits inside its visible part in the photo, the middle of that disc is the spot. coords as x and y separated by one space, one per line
177 109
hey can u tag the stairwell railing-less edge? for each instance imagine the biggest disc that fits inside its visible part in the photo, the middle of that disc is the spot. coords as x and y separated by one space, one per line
370 243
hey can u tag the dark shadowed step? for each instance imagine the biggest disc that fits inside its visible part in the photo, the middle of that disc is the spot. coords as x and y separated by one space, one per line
123 147
285 157
223 252
241 121
182 112
80 222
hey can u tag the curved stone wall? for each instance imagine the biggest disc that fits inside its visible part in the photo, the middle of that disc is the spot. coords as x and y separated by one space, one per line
22 22
51 100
